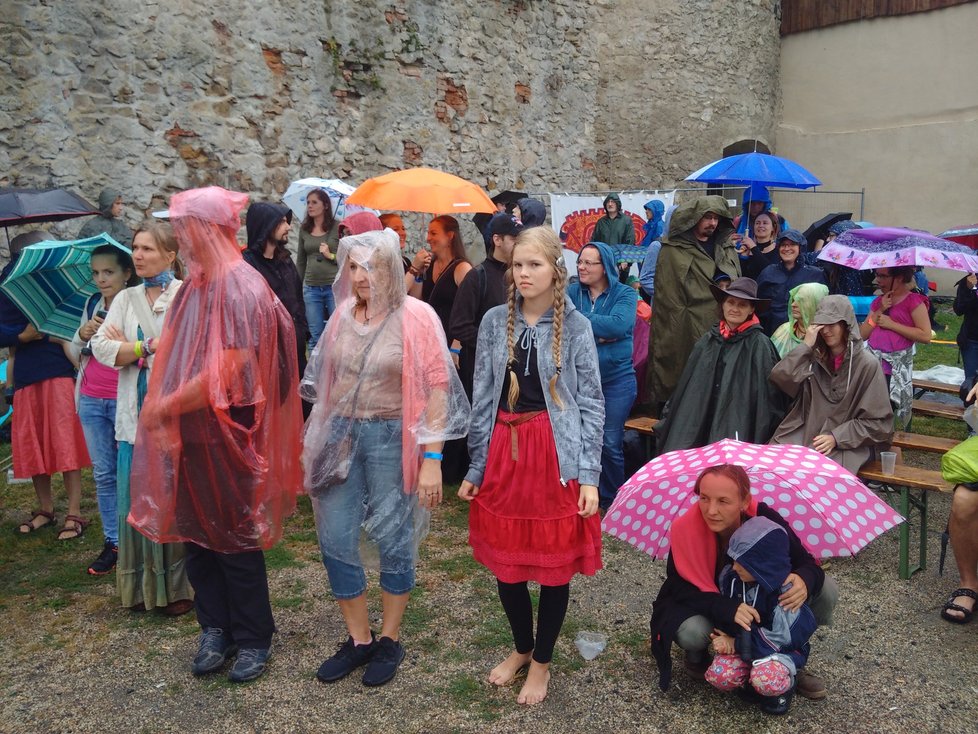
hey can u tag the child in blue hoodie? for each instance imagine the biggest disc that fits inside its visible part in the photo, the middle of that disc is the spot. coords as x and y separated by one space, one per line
767 657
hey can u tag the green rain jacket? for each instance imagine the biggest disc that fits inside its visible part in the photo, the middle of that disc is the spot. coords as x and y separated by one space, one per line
684 309
617 231
105 222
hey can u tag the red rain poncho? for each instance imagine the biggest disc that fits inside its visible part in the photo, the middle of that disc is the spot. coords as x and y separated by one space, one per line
217 457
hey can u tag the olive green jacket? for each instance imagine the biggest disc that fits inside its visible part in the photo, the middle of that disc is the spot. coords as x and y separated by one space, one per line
683 308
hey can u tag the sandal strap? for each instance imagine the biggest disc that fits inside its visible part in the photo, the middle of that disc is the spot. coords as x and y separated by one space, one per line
42 513
952 607
81 521
970 593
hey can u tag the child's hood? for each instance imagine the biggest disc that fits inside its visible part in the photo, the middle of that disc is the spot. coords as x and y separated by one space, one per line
761 546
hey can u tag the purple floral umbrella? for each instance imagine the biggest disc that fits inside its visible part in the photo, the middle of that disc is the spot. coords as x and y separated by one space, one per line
893 247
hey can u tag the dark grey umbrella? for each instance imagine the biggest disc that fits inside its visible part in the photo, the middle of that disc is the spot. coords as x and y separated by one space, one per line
33 206
820 229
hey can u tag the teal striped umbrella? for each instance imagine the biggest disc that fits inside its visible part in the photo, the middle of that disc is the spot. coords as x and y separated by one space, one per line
52 282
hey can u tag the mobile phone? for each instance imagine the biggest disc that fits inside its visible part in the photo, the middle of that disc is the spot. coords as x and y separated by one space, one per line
101 313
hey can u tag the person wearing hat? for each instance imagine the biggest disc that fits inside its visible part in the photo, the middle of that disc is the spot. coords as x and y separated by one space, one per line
776 281
724 391
482 288
610 307
841 405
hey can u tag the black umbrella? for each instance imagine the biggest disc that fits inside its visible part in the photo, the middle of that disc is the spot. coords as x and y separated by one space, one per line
820 229
33 206
509 198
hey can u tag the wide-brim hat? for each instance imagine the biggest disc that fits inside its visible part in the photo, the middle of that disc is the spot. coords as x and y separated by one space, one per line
743 288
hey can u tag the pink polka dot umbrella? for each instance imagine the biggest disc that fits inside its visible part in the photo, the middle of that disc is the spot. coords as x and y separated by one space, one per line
831 511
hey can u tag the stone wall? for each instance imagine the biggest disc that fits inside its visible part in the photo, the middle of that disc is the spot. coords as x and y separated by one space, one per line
545 95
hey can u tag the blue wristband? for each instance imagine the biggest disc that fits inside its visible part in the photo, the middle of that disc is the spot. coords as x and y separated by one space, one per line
454 351
419 279
433 455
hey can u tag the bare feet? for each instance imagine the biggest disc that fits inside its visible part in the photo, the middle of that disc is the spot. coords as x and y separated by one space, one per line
537 681
504 673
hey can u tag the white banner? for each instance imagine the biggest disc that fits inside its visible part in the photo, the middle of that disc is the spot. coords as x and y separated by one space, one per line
574 216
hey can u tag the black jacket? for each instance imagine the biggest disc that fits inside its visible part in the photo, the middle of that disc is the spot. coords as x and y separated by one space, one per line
966 304
482 288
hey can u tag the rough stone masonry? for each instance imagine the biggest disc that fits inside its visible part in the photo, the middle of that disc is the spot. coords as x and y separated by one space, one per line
543 95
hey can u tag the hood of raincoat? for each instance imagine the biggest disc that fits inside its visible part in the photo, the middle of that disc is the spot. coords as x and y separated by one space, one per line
360 222
686 216
807 296
655 225
106 199
261 220
754 192
532 212
761 546
608 260
833 309
615 198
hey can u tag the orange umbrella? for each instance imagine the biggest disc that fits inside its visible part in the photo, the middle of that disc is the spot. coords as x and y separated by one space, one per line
422 190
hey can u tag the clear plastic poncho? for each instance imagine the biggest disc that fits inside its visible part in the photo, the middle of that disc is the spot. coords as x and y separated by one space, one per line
217 456
395 367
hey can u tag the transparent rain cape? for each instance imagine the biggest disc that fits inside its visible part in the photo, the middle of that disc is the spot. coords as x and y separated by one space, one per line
217 457
395 367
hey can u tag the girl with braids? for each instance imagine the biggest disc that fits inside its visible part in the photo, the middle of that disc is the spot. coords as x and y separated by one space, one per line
535 445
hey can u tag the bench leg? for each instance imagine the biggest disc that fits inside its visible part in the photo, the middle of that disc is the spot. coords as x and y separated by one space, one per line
909 501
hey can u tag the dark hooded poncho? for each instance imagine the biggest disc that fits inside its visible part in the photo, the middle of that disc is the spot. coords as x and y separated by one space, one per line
617 231
105 222
683 306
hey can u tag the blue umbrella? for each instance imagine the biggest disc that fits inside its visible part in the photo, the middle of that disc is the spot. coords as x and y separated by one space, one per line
755 168
52 282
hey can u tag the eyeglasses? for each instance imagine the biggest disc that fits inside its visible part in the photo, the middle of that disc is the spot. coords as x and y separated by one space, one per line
588 263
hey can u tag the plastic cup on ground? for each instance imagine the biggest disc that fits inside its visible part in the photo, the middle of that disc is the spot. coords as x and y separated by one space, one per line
590 644
888 460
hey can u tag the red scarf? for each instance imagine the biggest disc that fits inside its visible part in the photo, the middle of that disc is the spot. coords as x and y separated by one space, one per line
726 332
693 547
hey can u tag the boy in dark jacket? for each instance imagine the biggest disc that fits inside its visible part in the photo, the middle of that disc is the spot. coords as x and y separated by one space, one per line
768 657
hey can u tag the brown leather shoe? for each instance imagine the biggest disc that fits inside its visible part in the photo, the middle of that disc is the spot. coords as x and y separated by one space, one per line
176 608
810 686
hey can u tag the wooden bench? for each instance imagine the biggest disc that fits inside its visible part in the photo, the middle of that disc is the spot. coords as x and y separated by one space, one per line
938 410
912 484
922 386
644 425
920 442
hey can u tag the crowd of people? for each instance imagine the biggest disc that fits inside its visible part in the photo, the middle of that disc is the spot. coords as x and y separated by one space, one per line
227 379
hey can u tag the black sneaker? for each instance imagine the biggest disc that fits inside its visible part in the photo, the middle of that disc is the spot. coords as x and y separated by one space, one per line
348 658
249 664
106 559
383 665
777 705
214 650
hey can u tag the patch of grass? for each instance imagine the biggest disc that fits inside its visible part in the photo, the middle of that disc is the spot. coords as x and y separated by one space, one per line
280 556
493 631
468 694
459 566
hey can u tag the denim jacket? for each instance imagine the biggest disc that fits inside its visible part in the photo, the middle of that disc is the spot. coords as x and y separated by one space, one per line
578 426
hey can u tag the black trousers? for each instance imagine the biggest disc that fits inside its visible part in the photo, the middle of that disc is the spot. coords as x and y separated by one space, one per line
550 617
231 593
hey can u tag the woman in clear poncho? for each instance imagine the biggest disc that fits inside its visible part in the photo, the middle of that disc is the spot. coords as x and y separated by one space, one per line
387 398
803 300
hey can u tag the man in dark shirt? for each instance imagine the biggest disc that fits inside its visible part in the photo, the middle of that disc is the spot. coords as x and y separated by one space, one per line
483 288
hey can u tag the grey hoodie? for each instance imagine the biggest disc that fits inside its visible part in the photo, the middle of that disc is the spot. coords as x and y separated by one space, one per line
578 426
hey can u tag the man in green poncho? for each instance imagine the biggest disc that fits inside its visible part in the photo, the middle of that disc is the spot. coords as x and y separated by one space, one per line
697 249
109 221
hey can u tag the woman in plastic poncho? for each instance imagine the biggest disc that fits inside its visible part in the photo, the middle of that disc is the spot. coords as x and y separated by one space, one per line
387 398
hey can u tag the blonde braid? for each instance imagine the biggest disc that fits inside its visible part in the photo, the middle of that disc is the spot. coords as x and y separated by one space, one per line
560 288
514 385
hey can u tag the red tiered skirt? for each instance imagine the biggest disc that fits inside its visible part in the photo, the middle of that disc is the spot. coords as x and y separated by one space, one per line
523 524
46 435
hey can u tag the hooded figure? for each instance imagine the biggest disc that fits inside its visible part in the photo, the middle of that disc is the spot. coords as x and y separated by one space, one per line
617 231
612 317
278 270
776 281
654 226
107 221
806 298
848 400
762 548
533 213
218 443
724 390
755 193
683 304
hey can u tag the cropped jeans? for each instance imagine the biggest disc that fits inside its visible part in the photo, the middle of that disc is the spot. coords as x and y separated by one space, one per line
320 305
373 498
97 416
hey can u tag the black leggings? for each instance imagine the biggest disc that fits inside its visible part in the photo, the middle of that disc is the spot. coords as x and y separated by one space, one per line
550 617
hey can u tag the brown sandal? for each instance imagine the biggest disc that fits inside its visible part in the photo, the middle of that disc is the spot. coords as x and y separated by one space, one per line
76 528
28 527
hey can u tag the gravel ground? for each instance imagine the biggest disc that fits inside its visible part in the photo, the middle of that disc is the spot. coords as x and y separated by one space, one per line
890 663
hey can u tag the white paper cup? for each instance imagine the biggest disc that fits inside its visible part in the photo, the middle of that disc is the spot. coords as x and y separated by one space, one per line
888 460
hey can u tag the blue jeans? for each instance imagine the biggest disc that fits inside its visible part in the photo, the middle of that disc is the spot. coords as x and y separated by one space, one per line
97 416
373 497
619 395
319 306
